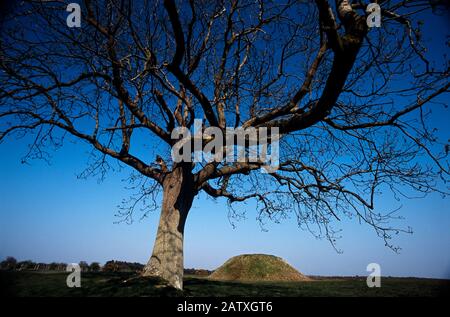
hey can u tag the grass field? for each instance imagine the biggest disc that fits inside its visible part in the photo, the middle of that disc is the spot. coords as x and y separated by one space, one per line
128 284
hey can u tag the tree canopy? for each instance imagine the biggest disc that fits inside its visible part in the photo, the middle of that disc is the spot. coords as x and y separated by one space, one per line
352 103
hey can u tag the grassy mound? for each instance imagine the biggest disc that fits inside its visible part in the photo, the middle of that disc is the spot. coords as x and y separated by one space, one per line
257 267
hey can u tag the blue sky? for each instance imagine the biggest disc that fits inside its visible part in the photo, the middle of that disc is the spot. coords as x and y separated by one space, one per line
47 214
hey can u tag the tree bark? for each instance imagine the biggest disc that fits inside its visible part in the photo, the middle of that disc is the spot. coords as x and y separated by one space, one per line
166 261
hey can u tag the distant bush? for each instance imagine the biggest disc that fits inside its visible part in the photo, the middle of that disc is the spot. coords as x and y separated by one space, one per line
42 267
26 265
9 263
84 266
198 272
121 266
94 267
57 266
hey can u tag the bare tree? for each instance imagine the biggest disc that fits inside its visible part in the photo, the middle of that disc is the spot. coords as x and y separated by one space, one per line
351 103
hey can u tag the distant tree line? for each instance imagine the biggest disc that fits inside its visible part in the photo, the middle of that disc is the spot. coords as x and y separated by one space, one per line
11 264
121 266
199 272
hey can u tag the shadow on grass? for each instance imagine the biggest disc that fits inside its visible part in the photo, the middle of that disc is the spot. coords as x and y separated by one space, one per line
129 284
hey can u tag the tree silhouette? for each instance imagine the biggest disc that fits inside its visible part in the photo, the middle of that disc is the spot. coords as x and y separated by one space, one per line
10 263
352 104
94 267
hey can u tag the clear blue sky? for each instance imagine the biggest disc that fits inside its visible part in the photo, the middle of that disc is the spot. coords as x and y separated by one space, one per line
47 214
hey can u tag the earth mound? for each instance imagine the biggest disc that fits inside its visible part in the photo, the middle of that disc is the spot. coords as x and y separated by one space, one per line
257 267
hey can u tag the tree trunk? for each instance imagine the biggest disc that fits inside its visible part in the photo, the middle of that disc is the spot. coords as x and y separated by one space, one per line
166 261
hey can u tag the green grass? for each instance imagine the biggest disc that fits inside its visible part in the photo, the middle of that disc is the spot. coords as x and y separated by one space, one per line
258 268
255 267
127 284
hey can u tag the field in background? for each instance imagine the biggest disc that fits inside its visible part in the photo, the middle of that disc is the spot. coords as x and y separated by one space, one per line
13 283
